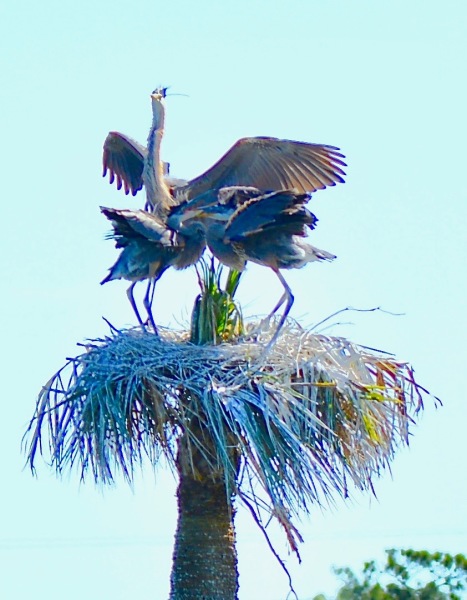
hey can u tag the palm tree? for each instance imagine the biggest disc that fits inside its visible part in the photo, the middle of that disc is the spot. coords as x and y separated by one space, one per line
279 432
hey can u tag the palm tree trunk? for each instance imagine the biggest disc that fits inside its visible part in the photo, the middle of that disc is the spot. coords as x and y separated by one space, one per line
205 557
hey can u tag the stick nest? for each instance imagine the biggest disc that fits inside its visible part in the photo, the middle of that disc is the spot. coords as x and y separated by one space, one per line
305 418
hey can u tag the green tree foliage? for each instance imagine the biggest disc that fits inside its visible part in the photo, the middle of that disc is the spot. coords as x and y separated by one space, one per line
407 575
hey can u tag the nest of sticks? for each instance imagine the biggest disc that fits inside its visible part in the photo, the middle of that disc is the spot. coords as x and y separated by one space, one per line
313 413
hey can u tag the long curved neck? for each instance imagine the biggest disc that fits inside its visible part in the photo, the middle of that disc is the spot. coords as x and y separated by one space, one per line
157 193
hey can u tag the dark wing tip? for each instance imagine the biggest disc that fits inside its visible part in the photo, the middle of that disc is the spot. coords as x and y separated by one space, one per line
106 279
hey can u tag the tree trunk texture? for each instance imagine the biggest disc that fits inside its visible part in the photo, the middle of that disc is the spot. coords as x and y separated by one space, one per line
205 557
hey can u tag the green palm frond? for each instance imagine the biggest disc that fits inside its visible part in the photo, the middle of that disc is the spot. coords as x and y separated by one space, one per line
317 412
216 317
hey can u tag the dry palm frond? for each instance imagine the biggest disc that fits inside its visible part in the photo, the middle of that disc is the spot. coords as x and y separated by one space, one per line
315 413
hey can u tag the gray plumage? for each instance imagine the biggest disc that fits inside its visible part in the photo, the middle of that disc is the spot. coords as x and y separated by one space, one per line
264 162
150 247
268 229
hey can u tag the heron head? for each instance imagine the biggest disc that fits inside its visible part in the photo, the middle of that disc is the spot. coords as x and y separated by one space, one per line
199 209
189 209
215 212
159 93
158 111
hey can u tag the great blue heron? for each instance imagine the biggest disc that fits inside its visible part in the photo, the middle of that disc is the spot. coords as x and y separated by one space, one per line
133 165
267 229
149 248
228 199
263 162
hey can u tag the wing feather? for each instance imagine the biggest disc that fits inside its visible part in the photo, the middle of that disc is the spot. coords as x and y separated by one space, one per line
133 224
266 211
265 162
124 158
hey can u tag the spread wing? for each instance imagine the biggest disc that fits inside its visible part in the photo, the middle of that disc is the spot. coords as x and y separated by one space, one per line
131 224
271 164
124 159
283 210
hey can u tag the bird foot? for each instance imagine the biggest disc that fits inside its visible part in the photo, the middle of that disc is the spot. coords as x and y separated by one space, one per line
148 325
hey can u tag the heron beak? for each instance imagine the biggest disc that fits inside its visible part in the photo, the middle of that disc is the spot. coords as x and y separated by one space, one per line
204 206
190 214
196 214
159 93
213 212
202 202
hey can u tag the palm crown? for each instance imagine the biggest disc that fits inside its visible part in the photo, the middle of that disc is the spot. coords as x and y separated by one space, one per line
298 425
279 422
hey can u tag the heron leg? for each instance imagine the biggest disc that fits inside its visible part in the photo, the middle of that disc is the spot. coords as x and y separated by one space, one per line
265 322
290 300
198 275
131 298
283 298
148 298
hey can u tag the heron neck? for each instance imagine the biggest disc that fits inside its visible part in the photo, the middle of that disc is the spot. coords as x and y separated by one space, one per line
154 151
157 131
157 192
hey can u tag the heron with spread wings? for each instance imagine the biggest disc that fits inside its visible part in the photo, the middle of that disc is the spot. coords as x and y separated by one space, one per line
264 228
266 163
150 247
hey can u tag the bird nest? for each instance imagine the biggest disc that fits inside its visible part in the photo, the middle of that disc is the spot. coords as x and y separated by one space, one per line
306 417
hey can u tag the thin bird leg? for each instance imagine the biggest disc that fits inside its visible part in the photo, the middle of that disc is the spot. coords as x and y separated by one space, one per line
131 298
278 305
290 300
148 298
152 284
198 275
265 322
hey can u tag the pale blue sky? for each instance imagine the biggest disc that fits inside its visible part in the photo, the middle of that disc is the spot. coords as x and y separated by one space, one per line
383 80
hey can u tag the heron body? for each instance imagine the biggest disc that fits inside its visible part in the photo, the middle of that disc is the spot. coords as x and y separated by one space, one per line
266 163
226 199
149 249
268 229
240 225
